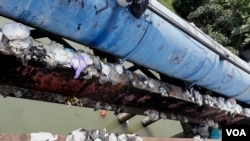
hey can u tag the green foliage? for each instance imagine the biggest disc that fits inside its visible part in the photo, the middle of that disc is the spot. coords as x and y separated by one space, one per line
167 3
214 20
226 21
184 7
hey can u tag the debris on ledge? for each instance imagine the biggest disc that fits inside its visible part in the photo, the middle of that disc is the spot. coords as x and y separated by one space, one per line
54 73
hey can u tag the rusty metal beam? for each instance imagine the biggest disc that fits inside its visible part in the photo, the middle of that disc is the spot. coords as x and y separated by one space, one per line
58 85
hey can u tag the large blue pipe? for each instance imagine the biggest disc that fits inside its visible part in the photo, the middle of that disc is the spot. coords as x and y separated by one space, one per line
149 41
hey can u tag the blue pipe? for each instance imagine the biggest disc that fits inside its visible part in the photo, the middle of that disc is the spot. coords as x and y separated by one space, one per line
149 41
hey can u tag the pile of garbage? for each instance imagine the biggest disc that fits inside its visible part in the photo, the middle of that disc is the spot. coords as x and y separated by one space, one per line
81 134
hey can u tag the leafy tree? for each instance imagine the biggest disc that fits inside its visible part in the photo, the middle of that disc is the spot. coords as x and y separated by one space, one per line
226 21
167 3
184 7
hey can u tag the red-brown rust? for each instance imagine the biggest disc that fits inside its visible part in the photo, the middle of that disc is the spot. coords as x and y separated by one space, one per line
130 97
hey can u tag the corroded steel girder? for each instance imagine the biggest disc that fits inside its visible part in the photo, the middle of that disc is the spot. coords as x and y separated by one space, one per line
58 85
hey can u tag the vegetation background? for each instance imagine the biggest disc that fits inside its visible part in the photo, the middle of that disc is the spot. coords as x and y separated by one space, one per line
226 21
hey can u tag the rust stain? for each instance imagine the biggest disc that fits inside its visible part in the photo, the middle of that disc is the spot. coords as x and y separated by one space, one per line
236 119
132 98
221 117
190 110
173 106
209 112
129 97
144 98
